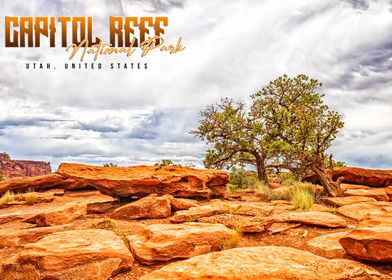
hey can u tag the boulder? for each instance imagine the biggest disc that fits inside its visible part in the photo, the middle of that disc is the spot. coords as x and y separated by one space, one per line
150 207
45 215
371 244
237 222
59 215
347 200
359 211
164 242
144 180
328 244
376 193
182 203
49 181
314 218
76 254
257 263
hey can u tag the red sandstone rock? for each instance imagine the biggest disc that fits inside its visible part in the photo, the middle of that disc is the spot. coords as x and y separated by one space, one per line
359 176
347 200
150 207
328 244
144 180
21 184
362 210
259 263
75 254
376 193
164 242
16 168
313 218
372 244
237 222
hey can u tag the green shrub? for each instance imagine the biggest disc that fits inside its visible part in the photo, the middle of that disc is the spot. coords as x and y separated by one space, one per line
8 196
242 179
2 177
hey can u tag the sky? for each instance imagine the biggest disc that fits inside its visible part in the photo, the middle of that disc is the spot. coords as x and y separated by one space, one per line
233 48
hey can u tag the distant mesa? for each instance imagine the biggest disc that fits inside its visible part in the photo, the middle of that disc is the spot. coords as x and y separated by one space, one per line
10 168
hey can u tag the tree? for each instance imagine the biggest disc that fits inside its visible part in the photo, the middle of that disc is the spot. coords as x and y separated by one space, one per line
287 126
295 114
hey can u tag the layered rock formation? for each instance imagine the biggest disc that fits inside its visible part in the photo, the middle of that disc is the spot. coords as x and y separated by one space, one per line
15 168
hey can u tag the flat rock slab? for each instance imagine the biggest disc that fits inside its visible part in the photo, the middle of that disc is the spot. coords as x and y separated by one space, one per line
268 262
75 254
237 222
45 214
144 180
313 218
164 242
376 193
328 244
371 244
150 207
219 207
353 186
347 200
43 182
359 211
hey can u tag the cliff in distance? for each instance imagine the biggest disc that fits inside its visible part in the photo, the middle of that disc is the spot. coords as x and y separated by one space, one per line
10 168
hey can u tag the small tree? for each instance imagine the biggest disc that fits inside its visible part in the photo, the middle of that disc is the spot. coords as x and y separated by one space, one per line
287 126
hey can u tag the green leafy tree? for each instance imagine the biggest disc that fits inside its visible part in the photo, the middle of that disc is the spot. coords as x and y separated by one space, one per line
109 164
287 126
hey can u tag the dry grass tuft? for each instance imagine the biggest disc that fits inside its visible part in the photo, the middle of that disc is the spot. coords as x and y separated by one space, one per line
8 196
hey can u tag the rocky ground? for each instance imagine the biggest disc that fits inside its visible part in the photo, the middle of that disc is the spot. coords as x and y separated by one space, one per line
89 222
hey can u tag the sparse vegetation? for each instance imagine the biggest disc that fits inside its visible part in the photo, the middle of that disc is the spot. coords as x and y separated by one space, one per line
233 241
332 209
110 164
2 177
288 178
30 197
8 196
166 162
105 224
302 199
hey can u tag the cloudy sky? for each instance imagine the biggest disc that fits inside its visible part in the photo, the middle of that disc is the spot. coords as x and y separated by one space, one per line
233 48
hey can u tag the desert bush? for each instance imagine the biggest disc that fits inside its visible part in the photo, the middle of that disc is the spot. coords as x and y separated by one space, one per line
166 162
110 164
30 198
105 224
332 209
233 241
8 196
302 199
2 178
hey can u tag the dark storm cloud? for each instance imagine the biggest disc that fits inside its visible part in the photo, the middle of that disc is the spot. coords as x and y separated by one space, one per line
366 68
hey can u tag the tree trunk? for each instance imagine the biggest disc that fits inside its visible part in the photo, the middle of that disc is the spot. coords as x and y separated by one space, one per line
332 188
261 171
